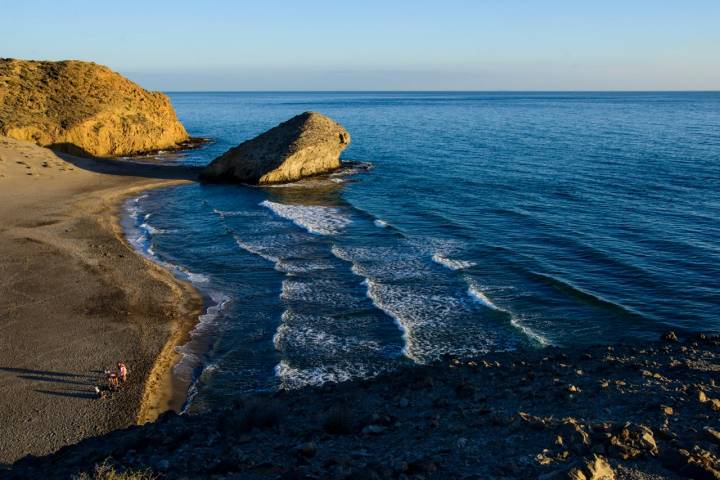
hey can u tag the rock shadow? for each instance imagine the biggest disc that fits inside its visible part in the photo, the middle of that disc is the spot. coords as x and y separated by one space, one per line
84 160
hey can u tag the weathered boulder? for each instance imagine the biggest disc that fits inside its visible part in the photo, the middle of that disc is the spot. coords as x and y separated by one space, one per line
308 144
84 108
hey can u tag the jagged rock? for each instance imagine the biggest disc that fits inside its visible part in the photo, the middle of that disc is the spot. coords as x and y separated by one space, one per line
593 468
670 336
701 465
536 422
84 108
574 435
712 434
633 441
308 144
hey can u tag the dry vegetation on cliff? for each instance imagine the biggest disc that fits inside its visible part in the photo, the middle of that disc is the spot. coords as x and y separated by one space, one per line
83 108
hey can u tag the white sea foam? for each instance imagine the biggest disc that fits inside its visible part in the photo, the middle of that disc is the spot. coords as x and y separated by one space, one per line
395 269
375 254
422 300
190 352
374 293
257 250
220 301
206 321
151 230
292 378
297 333
232 213
197 278
318 292
477 294
452 264
380 223
433 322
302 266
140 237
313 218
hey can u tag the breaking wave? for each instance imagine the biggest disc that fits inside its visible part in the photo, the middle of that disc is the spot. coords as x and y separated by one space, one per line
313 218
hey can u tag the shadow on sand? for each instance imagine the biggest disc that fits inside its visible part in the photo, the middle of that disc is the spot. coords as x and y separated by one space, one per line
71 394
89 380
28 371
84 160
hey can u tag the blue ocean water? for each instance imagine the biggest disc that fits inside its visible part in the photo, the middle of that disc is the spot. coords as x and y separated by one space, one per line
488 222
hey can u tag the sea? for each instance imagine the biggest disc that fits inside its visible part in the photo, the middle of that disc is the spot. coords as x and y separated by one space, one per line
467 223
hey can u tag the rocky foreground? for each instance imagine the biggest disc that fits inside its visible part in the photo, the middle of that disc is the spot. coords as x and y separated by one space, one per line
84 109
628 412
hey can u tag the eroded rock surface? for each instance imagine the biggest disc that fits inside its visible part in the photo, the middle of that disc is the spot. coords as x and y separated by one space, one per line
306 145
84 108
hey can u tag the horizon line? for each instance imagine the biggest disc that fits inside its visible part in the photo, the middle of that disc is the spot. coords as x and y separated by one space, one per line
440 91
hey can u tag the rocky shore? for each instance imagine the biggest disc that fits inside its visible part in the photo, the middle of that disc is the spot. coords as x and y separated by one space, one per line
627 411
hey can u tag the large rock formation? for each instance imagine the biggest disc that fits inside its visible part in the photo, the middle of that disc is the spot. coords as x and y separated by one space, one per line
84 108
308 144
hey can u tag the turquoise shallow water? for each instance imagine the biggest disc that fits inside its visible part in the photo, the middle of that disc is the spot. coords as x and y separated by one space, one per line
488 221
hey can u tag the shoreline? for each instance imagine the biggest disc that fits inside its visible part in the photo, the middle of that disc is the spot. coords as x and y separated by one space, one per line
162 391
75 297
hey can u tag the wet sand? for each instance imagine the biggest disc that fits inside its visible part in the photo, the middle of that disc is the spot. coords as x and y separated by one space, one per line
75 298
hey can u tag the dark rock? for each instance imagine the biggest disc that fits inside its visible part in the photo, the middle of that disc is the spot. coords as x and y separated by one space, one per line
712 434
373 429
339 421
669 336
307 450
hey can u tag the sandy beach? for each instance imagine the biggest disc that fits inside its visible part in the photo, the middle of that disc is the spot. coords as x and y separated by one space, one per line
75 298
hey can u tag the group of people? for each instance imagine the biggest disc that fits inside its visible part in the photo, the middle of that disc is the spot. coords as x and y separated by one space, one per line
112 381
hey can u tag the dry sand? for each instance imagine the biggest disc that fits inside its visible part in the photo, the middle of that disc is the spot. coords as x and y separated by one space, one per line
75 297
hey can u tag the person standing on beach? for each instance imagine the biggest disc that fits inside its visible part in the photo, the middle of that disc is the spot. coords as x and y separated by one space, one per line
122 372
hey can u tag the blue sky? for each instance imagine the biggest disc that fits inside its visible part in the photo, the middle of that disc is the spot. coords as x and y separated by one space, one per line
379 45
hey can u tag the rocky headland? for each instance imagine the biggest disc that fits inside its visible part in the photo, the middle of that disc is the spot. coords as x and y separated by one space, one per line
306 145
646 411
84 109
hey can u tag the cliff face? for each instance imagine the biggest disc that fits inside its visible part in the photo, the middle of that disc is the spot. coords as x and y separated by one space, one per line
307 144
83 108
